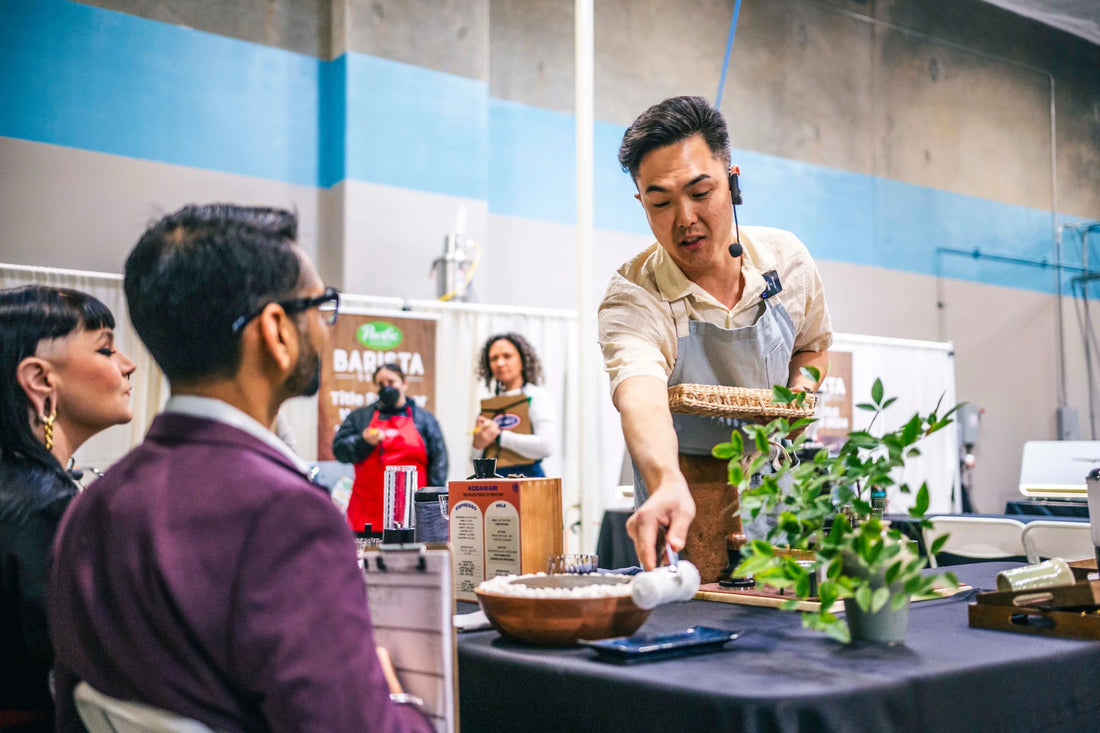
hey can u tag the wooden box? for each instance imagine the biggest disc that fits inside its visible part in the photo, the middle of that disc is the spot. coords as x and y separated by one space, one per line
502 527
1066 611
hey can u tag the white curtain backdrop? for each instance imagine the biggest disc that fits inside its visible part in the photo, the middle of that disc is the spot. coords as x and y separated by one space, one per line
918 373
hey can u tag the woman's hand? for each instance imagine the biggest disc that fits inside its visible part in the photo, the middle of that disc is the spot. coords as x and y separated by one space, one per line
373 436
486 432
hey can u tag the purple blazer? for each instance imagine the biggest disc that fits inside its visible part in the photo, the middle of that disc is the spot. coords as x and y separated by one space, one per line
203 574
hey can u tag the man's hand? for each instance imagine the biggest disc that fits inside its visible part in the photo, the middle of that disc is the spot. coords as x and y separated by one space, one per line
486 432
373 436
670 507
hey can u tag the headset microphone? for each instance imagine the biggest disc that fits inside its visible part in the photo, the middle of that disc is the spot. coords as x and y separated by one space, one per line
736 250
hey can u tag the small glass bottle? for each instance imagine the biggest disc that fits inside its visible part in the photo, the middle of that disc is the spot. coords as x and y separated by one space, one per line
878 501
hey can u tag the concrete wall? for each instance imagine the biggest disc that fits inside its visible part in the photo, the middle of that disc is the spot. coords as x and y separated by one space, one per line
877 131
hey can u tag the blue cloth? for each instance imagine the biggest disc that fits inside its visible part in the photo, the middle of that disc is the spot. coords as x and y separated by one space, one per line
531 470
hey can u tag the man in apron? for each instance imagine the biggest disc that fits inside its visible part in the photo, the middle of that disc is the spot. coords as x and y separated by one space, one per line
709 303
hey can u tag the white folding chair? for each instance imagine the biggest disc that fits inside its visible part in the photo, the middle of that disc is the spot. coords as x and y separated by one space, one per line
979 538
1067 540
105 714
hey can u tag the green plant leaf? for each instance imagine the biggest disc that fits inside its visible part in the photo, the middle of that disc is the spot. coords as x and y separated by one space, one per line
801 423
760 547
937 544
876 392
866 406
789 605
863 597
782 395
761 440
889 402
892 573
912 430
723 450
879 598
828 594
802 585
920 506
811 372
898 601
838 631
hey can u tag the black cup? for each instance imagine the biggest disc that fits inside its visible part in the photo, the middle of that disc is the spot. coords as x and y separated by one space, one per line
485 468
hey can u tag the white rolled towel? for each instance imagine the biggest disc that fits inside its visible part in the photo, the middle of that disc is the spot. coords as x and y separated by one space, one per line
661 586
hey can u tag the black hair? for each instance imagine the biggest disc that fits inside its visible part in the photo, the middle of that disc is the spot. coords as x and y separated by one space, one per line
391 367
532 367
669 122
197 270
28 315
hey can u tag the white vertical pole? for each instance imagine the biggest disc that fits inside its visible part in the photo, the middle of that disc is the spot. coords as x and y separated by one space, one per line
589 364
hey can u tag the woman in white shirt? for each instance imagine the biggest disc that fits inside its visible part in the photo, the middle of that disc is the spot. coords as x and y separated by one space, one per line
509 366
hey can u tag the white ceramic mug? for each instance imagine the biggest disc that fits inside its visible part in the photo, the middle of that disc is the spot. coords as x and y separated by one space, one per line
1047 574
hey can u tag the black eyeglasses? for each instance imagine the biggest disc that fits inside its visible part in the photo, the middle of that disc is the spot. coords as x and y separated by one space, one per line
329 303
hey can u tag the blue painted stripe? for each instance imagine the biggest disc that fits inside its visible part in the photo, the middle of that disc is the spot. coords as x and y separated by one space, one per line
94 79
416 128
532 163
88 78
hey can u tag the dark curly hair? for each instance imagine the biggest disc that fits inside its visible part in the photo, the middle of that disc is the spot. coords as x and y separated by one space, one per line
532 367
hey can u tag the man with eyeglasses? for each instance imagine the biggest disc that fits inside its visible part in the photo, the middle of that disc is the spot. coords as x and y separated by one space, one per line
204 575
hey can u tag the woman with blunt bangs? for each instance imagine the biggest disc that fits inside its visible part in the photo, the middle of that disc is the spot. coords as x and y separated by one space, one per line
61 382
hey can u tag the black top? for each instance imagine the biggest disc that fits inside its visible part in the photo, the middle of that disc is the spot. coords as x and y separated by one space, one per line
349 447
32 500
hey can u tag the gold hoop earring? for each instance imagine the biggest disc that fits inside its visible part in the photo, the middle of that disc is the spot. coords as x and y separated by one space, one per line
47 422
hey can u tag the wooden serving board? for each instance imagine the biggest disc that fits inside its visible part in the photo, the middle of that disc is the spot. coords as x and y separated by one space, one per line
769 597
1019 612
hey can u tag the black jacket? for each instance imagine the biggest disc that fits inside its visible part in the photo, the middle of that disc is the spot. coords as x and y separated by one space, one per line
349 447
32 500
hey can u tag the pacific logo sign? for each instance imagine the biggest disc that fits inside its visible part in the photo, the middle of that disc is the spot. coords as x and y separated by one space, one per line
379 335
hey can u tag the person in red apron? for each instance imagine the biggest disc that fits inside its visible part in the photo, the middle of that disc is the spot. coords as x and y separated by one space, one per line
392 431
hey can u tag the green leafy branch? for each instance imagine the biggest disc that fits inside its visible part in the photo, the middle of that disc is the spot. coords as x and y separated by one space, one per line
868 562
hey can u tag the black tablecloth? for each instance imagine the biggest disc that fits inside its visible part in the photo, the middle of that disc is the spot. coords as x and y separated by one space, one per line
1047 508
781 677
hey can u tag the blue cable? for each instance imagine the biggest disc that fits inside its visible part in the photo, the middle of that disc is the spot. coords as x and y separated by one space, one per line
729 50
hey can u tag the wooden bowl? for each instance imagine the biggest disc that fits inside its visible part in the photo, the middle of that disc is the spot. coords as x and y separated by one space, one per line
562 621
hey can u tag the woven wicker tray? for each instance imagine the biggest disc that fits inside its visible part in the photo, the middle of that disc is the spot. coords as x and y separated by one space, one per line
714 401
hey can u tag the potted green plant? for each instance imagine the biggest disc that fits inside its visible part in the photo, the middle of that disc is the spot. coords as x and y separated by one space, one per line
828 510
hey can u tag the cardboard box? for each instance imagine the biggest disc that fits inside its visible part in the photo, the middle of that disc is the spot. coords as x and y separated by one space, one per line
503 527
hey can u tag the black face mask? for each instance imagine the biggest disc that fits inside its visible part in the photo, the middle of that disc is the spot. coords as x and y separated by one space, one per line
389 396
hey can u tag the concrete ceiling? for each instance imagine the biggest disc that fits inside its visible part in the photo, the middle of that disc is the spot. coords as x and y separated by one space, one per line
1079 17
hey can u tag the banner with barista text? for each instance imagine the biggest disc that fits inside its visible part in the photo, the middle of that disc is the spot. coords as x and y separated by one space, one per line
834 403
362 342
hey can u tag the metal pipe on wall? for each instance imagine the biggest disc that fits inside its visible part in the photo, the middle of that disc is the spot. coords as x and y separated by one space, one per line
1055 241
589 366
